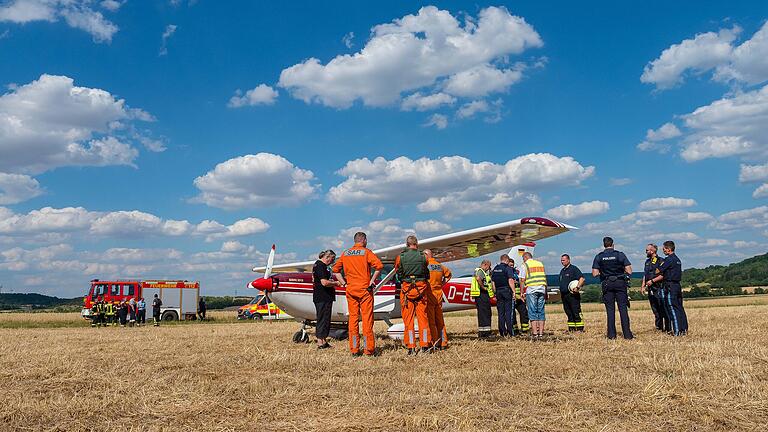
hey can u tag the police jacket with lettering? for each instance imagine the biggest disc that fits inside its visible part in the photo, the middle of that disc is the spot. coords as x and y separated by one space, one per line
611 264
501 274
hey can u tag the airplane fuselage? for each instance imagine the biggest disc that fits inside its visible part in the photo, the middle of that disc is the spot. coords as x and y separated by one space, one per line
292 292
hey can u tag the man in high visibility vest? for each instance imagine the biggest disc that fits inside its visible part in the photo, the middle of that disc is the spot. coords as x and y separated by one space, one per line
533 278
357 262
439 275
109 312
482 291
411 268
520 308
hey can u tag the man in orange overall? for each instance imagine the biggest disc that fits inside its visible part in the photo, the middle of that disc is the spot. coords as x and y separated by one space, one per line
356 263
411 267
439 275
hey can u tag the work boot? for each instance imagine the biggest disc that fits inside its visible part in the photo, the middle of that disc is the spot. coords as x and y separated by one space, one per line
411 352
425 350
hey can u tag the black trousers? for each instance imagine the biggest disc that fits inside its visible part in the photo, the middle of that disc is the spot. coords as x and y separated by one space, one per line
522 312
572 308
618 296
656 301
483 305
142 316
156 316
505 306
673 302
323 326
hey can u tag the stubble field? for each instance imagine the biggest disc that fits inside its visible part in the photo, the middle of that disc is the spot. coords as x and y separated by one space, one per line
224 375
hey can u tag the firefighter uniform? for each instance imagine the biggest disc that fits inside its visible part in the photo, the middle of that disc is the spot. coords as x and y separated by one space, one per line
438 276
655 293
505 298
672 270
614 282
95 313
357 262
520 308
571 300
482 293
412 270
109 313
100 309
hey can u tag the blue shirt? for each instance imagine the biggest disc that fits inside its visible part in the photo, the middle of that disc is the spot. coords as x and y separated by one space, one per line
501 275
568 274
610 262
142 304
651 269
672 269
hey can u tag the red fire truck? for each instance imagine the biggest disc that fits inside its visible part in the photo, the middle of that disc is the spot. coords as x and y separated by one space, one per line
180 298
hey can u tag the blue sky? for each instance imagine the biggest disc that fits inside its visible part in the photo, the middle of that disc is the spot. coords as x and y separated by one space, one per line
183 138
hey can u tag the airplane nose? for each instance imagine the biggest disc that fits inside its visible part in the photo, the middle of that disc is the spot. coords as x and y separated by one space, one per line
262 284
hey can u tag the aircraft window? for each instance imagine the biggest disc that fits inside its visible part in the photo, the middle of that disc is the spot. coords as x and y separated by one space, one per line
115 291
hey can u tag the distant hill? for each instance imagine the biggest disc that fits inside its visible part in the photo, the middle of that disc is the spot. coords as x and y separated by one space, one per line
35 301
750 272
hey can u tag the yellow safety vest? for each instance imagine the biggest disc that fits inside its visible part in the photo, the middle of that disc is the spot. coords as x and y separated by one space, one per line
534 273
474 290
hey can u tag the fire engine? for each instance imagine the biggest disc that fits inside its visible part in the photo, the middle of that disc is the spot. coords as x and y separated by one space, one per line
179 297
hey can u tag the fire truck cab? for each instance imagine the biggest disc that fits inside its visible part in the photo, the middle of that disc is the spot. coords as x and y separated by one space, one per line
180 298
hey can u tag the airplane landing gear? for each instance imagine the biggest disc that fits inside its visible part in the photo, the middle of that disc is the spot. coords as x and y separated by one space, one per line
301 336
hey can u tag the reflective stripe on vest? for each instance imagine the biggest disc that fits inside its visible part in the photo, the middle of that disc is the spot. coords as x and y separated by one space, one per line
534 273
474 290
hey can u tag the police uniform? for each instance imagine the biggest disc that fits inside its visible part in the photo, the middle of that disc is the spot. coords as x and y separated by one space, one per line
505 298
571 301
481 294
611 263
650 271
672 294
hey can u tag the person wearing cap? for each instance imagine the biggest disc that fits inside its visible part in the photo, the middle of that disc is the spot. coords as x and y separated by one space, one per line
323 295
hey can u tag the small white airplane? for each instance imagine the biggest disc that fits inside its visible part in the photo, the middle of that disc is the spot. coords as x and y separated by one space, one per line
290 285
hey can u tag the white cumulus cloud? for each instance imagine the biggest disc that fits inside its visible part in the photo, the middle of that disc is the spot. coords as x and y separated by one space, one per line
15 188
250 181
51 123
414 52
78 14
666 203
420 102
440 121
259 95
575 211
453 184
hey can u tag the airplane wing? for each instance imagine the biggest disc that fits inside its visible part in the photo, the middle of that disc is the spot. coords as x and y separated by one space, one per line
464 244
482 241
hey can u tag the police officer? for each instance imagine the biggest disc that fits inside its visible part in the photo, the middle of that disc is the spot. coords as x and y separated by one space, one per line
671 273
653 290
481 292
520 307
571 299
614 270
503 277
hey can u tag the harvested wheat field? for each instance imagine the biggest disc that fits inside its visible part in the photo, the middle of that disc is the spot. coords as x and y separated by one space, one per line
249 376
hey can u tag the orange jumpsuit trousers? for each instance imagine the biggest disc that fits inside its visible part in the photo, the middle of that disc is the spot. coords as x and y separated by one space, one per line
361 308
435 317
413 305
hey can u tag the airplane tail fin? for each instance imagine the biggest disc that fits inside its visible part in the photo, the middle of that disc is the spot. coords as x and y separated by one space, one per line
270 262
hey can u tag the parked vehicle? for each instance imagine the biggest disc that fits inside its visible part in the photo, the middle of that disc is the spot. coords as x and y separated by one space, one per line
180 297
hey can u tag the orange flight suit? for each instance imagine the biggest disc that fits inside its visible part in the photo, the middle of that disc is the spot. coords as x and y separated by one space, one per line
357 262
413 305
438 276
